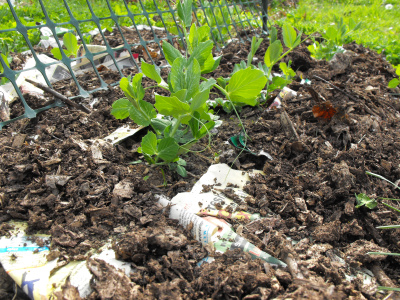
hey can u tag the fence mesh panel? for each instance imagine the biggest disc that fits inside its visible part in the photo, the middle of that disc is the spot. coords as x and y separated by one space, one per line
227 19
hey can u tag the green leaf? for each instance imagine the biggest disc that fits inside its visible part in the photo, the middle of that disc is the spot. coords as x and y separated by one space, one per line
151 72
205 129
160 124
149 143
194 124
273 53
126 87
206 85
185 75
273 35
181 162
137 87
210 64
181 95
199 100
193 38
389 227
168 149
278 83
255 44
185 11
398 70
392 207
56 53
386 288
245 85
5 61
289 35
202 52
171 106
121 108
71 43
393 83
222 82
144 114
181 170
383 178
204 33
170 52
363 199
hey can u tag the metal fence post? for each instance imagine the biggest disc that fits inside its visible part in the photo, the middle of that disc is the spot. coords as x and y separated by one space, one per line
264 5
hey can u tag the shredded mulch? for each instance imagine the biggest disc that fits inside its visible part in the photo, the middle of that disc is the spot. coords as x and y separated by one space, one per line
58 177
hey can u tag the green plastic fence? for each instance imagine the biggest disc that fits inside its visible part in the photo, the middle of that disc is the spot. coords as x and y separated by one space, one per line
224 17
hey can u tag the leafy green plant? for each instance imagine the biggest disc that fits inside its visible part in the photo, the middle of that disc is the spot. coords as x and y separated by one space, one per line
5 54
363 199
334 39
71 43
185 116
380 29
395 81
272 56
220 15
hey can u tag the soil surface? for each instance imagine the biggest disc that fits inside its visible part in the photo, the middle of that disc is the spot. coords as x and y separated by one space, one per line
58 177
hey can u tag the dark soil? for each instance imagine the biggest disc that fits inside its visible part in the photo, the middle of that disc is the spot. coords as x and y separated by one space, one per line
318 166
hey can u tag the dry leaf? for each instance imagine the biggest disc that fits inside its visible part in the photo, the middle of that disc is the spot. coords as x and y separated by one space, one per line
324 110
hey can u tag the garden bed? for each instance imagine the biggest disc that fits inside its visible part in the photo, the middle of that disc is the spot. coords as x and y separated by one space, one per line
308 187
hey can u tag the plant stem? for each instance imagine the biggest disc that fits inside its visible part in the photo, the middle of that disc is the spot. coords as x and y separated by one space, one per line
154 86
176 126
226 94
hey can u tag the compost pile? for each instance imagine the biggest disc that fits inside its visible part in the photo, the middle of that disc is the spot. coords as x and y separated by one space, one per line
58 177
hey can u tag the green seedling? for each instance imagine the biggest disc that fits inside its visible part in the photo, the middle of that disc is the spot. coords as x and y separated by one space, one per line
185 116
272 56
370 203
364 200
71 44
334 39
395 81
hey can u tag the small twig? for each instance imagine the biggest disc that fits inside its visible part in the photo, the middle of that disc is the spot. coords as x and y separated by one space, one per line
336 88
388 296
16 291
383 279
59 96
193 175
286 121
293 267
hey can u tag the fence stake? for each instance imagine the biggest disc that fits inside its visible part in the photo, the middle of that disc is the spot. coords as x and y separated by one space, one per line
264 5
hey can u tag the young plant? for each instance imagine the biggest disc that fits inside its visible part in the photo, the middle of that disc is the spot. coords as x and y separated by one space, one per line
335 37
363 199
272 56
185 117
395 81
71 43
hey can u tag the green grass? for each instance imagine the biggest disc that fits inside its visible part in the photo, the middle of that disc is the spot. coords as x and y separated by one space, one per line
29 12
380 28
